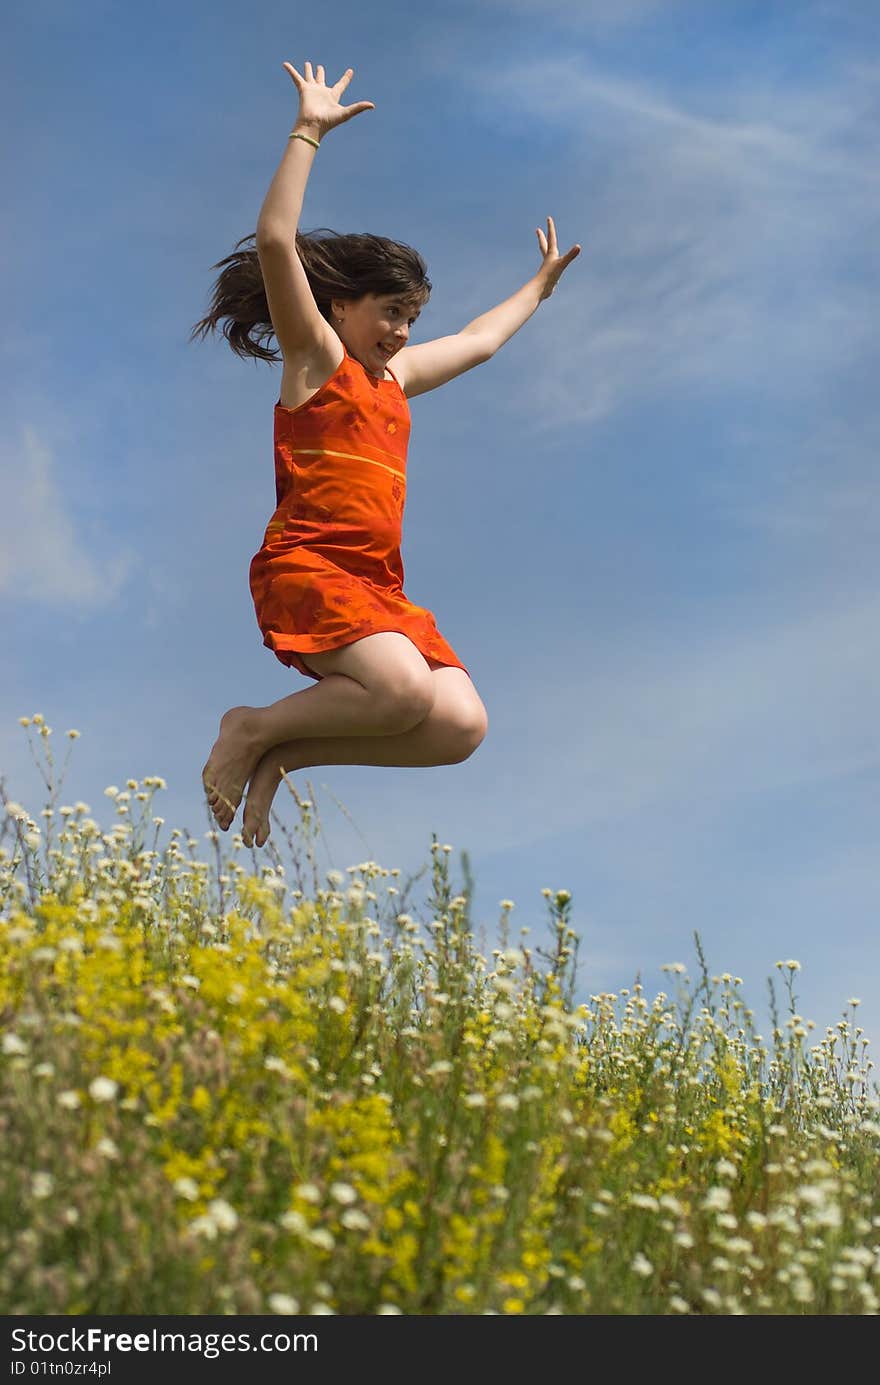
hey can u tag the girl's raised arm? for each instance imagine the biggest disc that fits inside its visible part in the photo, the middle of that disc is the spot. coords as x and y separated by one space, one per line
431 363
296 318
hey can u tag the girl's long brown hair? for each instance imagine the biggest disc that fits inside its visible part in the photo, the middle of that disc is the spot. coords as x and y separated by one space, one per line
337 266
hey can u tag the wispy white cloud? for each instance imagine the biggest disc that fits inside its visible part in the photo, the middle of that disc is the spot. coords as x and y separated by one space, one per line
598 14
718 248
43 556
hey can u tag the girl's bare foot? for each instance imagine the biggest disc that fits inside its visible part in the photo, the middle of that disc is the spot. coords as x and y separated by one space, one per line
233 759
261 792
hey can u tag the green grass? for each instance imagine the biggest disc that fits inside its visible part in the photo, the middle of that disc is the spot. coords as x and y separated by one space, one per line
233 1090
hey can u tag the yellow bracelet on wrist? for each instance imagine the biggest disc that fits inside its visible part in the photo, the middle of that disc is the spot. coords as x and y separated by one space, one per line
296 134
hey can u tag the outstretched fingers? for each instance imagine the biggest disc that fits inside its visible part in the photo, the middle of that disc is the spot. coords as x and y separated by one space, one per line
318 76
550 245
343 82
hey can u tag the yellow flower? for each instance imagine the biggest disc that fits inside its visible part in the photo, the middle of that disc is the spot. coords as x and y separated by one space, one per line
201 1099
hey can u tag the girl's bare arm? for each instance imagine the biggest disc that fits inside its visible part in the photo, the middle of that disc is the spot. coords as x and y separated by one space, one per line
433 363
296 318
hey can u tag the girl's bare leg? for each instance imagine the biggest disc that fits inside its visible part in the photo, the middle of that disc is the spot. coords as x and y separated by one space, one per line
377 686
450 732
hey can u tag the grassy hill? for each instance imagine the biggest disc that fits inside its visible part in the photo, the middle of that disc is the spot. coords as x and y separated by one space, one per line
232 1090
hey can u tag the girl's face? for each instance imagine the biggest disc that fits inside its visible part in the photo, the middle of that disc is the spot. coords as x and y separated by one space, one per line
374 328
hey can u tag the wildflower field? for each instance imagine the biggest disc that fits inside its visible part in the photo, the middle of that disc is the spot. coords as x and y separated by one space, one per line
233 1086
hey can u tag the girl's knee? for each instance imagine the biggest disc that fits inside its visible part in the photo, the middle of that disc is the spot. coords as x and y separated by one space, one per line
406 698
469 727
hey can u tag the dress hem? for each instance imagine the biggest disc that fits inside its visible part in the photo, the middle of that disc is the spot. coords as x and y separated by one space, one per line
282 645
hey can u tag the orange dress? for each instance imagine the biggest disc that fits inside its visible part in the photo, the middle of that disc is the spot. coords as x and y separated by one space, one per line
329 570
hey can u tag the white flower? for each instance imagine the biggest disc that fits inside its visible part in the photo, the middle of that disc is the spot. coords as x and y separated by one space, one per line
475 1099
645 1200
387 1309
717 1200
678 1305
283 1303
203 1226
343 1192
225 1218
186 1187
44 1070
107 1148
725 1169
337 1004
641 1265
273 1064
504 984
13 1044
69 1100
353 1219
42 1185
508 1101
103 1088
308 1192
322 1238
738 1245
294 1221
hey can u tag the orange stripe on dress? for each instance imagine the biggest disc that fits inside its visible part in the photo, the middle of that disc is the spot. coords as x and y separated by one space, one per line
351 456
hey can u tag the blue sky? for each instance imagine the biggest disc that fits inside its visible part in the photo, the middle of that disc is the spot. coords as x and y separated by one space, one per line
648 526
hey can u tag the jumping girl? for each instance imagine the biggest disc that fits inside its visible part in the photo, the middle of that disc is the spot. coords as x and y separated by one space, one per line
327 582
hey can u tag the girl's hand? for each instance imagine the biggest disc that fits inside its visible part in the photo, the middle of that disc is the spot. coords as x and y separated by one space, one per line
319 106
554 263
